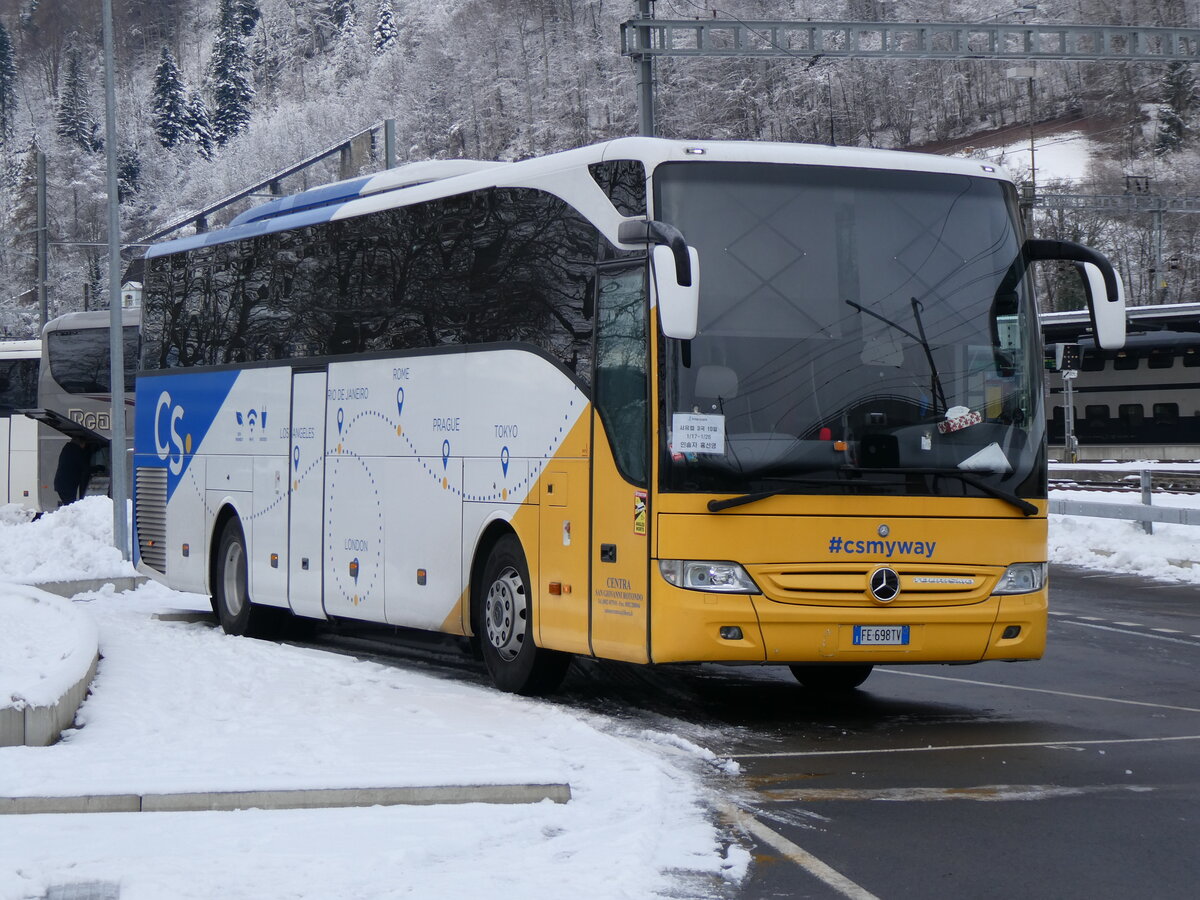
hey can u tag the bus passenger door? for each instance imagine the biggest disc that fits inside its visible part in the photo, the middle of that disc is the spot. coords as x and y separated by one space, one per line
306 495
620 420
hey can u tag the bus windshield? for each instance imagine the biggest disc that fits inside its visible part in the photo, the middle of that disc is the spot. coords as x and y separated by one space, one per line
860 330
80 361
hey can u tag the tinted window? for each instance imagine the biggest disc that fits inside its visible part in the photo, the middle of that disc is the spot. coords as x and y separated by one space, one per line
1161 358
80 361
622 389
1166 412
499 265
1125 361
18 384
624 181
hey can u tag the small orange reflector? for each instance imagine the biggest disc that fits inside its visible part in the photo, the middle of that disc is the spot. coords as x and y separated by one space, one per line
422 575
187 548
566 589
839 445
274 560
555 588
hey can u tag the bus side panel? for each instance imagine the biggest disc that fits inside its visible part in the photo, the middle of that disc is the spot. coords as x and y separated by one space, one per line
23 461
423 450
6 444
268 572
188 523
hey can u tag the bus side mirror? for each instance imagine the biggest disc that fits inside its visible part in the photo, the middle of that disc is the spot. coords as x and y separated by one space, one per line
678 304
1105 293
1108 313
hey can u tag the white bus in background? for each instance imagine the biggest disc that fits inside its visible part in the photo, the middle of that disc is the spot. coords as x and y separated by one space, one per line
19 361
74 393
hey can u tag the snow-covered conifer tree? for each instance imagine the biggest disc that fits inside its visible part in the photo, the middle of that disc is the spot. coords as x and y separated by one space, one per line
229 74
74 119
8 90
169 114
199 126
383 37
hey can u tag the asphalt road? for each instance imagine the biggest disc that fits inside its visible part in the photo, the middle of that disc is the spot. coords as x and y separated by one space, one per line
1076 776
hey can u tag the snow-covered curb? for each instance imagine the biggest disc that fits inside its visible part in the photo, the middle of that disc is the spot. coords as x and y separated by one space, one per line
45 666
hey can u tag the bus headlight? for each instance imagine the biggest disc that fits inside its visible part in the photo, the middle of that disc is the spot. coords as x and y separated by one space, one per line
1022 578
708 575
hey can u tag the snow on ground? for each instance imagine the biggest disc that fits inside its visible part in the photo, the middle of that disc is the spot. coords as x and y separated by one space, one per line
1062 156
179 706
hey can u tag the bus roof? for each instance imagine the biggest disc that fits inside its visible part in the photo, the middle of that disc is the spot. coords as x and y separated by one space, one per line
20 349
99 318
420 181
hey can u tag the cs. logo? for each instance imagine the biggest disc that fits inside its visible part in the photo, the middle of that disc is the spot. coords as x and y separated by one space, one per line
172 452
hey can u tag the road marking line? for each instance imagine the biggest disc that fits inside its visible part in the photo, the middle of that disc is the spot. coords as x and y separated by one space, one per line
1003 746
986 793
1033 690
1167 630
1130 624
1090 618
797 854
1144 634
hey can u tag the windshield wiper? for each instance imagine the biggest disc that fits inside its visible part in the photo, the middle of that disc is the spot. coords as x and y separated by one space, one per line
934 377
743 499
966 477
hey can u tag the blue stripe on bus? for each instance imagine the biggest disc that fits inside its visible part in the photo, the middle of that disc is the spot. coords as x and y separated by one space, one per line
318 196
174 413
250 229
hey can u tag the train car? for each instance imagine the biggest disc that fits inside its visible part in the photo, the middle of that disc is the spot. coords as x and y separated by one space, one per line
1139 402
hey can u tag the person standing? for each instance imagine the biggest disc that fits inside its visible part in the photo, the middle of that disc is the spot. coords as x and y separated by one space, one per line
74 471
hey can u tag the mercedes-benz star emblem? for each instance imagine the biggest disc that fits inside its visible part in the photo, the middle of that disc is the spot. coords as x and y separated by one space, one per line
885 584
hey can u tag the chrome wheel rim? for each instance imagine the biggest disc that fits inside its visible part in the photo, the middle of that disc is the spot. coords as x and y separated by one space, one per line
504 613
233 581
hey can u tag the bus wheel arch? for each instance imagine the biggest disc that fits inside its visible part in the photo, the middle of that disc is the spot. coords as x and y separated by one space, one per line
229 577
502 611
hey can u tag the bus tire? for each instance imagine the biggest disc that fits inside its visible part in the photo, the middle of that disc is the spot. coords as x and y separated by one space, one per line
831 678
231 583
503 622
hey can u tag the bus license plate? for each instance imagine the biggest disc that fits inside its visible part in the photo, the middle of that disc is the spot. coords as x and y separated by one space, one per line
895 635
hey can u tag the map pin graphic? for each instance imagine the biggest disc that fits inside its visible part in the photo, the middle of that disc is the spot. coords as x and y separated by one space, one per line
296 457
445 453
399 401
341 418
504 460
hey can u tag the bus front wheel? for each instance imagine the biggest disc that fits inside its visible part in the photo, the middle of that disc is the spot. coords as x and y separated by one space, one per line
231 591
503 623
830 678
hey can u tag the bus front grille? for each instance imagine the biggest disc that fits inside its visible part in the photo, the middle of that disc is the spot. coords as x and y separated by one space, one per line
849 585
150 513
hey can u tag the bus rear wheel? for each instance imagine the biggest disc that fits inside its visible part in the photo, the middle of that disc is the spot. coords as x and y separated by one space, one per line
503 623
231 583
831 678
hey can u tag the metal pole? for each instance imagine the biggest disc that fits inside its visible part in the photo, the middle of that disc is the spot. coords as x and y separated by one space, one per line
389 143
1032 148
645 78
1147 486
1070 442
116 334
43 242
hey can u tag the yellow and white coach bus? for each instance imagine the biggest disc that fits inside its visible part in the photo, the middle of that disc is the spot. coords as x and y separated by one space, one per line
647 400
